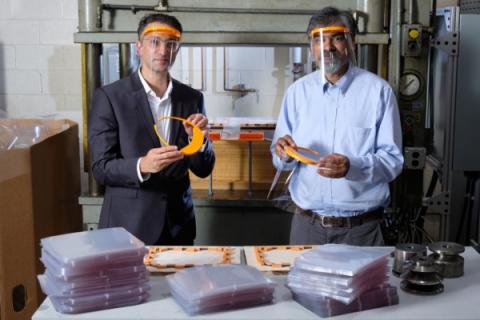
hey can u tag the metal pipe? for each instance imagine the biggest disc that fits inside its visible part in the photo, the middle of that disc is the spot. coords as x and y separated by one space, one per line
250 169
92 82
210 185
135 8
124 59
394 54
297 68
410 12
87 15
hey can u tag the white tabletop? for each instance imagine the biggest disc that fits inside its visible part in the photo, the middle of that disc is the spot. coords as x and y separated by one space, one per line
460 300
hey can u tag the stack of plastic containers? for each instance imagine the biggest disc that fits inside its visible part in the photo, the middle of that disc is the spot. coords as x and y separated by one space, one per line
335 279
220 287
94 270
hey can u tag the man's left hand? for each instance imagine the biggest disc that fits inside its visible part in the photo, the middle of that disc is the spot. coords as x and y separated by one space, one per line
198 119
333 166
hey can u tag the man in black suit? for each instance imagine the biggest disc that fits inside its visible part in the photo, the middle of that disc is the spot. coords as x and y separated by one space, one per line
147 188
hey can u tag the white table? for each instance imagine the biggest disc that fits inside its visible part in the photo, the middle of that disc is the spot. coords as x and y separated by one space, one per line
460 300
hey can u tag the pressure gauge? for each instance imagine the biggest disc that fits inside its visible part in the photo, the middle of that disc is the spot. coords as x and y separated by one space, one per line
411 85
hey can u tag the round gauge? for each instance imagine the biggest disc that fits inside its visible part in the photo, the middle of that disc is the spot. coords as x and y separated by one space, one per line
411 85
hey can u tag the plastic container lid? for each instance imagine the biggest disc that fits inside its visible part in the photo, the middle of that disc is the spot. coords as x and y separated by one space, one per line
81 251
340 259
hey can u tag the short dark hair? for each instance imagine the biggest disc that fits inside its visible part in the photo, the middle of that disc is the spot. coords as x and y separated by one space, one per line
160 18
331 15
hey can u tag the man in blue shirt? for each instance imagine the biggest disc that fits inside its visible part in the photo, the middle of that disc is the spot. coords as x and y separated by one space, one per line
349 117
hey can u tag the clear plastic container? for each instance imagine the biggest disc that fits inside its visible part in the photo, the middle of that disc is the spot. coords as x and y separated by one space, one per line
326 307
106 271
340 259
87 251
240 301
101 305
94 299
208 282
338 281
51 290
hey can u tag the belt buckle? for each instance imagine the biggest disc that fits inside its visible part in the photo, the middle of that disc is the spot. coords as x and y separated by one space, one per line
324 224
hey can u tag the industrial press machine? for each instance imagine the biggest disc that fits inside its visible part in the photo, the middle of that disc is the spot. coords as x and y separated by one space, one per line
407 42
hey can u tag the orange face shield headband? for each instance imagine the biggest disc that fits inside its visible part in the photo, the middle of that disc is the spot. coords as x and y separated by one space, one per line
197 139
331 29
170 31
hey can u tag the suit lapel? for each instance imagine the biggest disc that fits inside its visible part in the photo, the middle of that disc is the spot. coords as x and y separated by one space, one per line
175 126
140 97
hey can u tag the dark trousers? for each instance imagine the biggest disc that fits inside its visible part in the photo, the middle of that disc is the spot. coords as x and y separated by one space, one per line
306 230
184 237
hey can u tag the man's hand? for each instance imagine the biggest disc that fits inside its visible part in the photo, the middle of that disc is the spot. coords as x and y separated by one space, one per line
333 166
198 119
282 142
159 158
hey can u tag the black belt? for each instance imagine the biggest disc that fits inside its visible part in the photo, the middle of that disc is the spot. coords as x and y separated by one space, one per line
342 222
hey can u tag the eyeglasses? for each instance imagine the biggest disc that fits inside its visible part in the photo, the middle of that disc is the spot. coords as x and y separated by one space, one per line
154 42
336 38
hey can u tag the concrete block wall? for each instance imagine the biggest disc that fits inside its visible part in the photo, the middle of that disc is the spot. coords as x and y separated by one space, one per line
39 63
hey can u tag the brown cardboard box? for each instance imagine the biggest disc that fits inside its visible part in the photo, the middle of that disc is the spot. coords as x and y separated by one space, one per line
39 189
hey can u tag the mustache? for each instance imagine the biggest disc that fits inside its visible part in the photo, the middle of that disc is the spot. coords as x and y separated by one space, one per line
332 53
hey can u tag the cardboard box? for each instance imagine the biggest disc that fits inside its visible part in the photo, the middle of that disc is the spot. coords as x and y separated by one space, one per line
39 189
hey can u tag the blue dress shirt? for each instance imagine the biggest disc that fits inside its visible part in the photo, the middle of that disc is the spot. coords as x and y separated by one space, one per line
357 117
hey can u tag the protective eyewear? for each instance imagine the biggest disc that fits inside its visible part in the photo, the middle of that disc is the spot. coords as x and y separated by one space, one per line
155 42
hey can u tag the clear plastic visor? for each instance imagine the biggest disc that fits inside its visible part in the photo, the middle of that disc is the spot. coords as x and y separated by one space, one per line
160 46
332 49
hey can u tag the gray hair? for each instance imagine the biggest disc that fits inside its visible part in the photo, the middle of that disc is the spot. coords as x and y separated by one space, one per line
330 15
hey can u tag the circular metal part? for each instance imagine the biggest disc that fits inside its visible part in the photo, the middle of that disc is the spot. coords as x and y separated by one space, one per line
422 278
448 266
421 290
423 265
405 255
446 248
447 259
411 85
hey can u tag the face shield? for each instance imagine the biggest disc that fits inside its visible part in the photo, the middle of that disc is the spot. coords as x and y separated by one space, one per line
159 47
332 49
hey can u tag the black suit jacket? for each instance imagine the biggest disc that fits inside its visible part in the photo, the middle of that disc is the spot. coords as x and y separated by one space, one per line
120 130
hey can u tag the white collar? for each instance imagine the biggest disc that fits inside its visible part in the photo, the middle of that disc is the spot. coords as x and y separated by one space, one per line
150 91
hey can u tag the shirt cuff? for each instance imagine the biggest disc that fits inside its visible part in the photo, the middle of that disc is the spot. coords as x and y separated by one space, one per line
356 170
141 177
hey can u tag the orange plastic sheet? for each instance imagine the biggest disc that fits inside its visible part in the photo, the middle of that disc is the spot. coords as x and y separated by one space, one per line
226 253
249 135
262 261
303 155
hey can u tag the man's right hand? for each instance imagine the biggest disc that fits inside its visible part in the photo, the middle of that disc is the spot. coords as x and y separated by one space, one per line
280 145
159 158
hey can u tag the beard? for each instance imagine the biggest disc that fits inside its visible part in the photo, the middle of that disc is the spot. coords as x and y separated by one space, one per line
334 61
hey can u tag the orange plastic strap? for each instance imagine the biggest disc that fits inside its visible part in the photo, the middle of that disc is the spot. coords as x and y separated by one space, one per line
330 29
292 152
197 139
161 29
